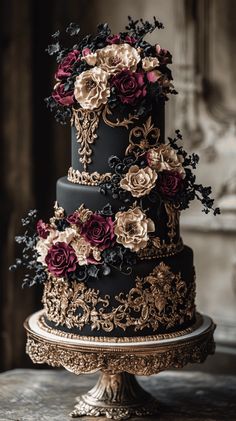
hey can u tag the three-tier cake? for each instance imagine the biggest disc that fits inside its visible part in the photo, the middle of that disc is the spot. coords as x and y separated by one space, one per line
111 257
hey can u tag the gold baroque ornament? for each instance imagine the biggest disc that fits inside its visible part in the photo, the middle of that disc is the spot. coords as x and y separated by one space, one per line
107 118
143 138
88 179
160 299
86 123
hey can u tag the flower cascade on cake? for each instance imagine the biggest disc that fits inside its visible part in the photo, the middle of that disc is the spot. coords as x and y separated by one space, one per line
120 71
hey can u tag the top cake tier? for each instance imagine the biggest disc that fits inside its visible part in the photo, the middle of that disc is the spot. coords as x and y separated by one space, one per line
96 135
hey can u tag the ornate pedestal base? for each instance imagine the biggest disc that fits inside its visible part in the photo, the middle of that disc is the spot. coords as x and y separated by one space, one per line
117 395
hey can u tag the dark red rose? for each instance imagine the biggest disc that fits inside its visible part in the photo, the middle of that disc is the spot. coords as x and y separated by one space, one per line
86 51
130 40
42 229
99 231
130 86
113 39
61 259
163 55
169 183
74 218
63 97
154 76
66 66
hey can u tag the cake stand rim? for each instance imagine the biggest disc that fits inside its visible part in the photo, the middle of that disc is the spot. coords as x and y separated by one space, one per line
206 327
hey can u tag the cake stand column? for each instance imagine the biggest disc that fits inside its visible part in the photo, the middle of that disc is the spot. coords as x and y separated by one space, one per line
116 396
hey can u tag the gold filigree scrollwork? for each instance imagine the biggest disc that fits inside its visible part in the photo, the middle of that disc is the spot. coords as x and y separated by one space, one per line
107 114
161 298
86 123
88 179
143 138
173 220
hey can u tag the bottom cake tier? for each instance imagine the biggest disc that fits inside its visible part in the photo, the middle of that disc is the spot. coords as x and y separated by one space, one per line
157 298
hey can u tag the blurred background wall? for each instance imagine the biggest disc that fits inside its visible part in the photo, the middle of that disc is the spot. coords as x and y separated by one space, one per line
35 151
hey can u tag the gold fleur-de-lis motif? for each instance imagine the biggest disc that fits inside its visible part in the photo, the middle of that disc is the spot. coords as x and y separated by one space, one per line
143 138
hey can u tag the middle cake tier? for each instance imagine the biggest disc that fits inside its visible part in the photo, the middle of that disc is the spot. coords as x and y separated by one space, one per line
166 238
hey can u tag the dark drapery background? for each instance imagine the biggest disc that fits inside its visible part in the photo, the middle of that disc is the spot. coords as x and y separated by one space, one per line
34 149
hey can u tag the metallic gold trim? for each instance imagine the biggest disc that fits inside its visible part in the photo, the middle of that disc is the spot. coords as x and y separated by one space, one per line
143 138
107 113
86 123
124 339
88 179
156 249
160 299
134 359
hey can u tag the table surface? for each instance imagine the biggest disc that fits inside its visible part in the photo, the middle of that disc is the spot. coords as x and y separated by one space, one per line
43 395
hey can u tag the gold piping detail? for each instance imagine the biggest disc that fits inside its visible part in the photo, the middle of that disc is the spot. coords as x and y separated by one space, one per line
155 249
88 179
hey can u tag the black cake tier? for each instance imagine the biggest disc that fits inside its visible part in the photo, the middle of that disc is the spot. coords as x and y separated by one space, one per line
157 298
111 139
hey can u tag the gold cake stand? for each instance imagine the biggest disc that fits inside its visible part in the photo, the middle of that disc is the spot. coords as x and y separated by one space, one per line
117 394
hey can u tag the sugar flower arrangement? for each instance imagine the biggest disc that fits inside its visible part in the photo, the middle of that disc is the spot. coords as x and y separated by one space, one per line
121 70
82 245
161 174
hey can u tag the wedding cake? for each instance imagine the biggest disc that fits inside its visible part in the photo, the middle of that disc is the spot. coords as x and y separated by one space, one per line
111 258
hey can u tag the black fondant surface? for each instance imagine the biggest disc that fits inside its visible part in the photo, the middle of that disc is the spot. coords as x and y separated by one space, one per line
116 282
70 196
112 141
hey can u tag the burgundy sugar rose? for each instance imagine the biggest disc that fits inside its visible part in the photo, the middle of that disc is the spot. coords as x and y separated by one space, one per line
74 218
113 39
65 67
86 51
130 40
130 86
61 259
99 231
154 76
63 97
163 55
169 183
42 229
